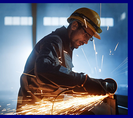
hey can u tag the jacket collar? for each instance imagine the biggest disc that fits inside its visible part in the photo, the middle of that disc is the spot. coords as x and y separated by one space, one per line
63 34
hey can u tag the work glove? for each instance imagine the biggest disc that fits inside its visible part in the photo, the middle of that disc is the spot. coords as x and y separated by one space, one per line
98 86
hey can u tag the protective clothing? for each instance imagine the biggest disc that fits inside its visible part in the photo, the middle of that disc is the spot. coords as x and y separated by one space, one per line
89 17
49 69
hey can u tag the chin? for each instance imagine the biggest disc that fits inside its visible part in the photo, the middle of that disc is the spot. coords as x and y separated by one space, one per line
76 47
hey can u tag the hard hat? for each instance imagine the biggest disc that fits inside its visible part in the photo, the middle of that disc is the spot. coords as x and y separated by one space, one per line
88 17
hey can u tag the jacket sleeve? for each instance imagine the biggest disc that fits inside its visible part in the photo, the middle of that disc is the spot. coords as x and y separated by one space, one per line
48 66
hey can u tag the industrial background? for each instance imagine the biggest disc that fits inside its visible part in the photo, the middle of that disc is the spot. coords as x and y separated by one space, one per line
24 24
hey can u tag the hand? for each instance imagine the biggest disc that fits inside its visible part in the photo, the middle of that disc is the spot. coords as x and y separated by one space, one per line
95 86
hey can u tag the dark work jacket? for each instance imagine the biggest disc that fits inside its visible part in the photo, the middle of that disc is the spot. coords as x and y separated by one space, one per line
49 69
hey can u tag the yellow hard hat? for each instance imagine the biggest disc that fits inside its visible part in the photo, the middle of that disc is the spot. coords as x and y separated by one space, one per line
89 17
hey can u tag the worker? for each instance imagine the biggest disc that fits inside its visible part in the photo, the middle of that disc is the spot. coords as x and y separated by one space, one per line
48 69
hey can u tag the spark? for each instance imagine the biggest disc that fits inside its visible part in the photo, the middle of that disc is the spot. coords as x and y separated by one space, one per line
110 51
107 27
99 70
95 53
94 46
121 70
11 113
102 61
95 69
125 72
123 63
100 9
4 109
86 59
71 105
123 16
116 46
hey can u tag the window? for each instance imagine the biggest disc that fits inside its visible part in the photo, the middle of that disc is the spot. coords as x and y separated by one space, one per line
107 22
18 20
54 21
57 21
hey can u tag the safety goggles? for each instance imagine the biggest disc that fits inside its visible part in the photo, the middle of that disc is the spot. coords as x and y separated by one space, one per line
91 38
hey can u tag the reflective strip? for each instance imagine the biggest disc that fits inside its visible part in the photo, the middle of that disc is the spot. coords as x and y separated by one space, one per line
64 70
65 51
60 61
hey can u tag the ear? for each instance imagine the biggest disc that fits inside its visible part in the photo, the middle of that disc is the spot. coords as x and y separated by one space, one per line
74 25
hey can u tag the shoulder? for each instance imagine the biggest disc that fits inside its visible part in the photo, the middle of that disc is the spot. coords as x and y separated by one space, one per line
51 39
55 38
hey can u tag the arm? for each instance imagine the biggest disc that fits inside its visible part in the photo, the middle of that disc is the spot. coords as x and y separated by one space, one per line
48 66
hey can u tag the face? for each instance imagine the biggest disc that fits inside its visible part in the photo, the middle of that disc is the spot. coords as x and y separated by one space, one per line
78 36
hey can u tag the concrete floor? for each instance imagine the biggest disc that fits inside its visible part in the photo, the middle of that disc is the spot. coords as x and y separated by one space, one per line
8 100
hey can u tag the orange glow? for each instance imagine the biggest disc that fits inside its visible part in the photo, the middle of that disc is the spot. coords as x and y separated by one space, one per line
67 105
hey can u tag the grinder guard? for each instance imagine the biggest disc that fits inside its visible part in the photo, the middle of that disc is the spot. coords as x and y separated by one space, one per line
110 85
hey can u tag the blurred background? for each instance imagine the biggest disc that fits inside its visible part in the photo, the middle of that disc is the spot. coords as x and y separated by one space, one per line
22 25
